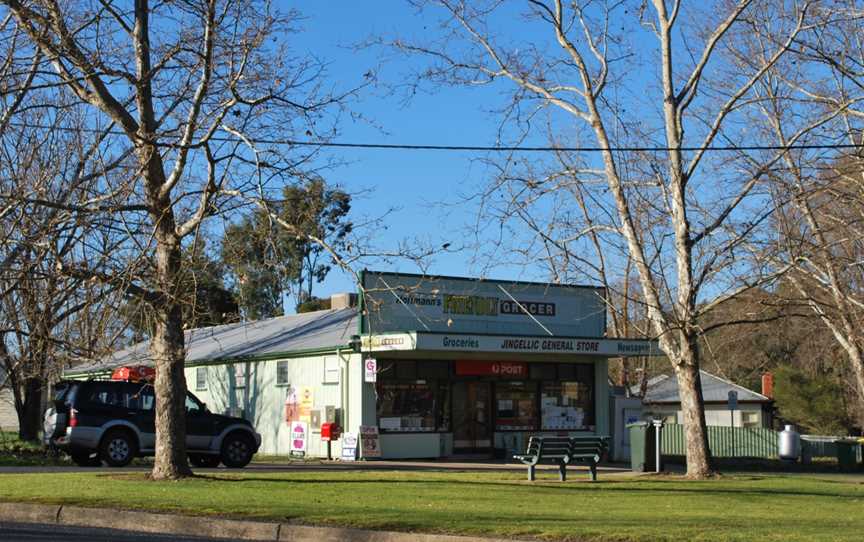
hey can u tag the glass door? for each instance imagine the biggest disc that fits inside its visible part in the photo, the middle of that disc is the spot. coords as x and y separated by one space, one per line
471 417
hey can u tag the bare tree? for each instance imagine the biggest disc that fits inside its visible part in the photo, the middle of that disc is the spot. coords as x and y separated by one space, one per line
819 187
681 210
186 85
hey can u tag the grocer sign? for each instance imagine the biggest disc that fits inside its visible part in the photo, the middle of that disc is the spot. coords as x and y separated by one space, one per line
399 302
511 343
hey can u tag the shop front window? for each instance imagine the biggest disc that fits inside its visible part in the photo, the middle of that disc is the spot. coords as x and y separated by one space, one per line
412 406
567 406
515 406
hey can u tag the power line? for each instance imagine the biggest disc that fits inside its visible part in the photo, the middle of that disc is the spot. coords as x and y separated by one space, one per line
477 148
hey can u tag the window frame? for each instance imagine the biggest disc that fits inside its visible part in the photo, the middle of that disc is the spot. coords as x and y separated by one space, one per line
282 364
200 378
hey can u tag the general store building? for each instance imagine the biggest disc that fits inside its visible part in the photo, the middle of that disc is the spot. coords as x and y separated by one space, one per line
460 366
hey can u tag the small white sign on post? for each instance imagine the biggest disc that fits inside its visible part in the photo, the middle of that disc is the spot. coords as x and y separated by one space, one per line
370 370
370 445
349 446
299 436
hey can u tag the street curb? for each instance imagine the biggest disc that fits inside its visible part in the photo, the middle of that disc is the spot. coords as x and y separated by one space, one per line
149 522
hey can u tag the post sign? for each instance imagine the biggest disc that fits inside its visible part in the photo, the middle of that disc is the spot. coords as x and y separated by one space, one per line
370 445
349 446
370 370
299 436
733 400
492 368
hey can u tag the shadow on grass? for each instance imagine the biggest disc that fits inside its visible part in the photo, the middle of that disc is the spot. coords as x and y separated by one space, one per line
573 487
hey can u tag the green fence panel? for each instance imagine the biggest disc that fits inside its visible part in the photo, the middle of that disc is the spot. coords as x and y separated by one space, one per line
724 441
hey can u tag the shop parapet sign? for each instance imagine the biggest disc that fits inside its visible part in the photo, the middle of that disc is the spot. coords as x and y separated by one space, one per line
541 345
458 342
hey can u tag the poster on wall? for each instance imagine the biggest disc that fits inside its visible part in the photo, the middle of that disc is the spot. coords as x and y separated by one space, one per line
306 402
291 406
299 436
349 446
370 445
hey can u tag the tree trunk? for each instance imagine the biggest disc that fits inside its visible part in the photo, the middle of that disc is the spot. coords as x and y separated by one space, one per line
168 350
692 406
857 363
30 411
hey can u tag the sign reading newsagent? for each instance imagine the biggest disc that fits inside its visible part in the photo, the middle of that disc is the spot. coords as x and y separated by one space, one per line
400 302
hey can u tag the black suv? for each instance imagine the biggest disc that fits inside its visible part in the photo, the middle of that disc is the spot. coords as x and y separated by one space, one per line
114 421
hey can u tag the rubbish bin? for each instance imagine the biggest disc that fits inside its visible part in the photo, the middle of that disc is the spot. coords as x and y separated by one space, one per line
847 455
638 449
643 448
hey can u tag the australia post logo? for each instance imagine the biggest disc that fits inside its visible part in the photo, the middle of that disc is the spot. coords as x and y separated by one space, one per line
491 368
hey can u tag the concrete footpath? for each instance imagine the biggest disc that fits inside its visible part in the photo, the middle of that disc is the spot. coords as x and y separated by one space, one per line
208 527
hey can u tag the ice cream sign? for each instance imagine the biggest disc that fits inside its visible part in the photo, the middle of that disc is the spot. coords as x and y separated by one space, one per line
299 436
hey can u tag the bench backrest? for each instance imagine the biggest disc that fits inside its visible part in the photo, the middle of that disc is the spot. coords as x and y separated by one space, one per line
582 445
546 446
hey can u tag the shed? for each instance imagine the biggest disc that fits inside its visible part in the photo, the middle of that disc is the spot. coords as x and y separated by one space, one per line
754 409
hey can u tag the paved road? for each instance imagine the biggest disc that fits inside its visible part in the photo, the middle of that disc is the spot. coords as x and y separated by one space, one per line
38 532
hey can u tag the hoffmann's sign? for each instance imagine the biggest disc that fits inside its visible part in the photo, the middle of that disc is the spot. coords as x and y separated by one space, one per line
493 368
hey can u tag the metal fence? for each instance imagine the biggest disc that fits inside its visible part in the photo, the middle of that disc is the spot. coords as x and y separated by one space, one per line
724 441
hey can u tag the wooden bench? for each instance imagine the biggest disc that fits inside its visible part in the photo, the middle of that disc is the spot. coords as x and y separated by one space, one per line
562 451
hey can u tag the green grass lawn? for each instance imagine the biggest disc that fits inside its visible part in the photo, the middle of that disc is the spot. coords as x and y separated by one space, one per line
16 452
757 507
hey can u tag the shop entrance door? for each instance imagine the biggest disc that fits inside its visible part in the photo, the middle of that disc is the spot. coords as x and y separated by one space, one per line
472 426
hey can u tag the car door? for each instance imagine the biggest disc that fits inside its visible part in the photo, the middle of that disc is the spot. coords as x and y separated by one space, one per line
199 425
144 400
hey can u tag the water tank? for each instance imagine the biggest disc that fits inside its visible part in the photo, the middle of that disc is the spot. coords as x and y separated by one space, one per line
789 443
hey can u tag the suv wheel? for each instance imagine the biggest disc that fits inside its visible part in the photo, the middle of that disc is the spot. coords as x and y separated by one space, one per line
205 461
86 459
118 448
237 450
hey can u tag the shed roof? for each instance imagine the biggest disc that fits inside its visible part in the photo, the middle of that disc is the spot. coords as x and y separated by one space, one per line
664 389
268 338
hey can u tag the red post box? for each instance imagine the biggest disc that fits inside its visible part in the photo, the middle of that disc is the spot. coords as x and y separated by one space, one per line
330 431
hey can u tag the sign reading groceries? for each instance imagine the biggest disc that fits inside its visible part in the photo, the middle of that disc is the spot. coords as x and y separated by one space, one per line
492 368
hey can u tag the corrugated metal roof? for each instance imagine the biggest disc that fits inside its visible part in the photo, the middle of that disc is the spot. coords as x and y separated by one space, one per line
714 390
273 336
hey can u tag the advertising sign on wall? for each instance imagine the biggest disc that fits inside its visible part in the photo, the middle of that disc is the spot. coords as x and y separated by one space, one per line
299 436
306 402
291 407
370 445
370 370
399 302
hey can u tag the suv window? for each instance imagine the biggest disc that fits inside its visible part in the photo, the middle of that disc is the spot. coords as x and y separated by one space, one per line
143 396
193 405
105 393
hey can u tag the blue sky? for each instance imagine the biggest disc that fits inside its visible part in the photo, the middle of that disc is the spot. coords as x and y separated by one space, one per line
426 187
